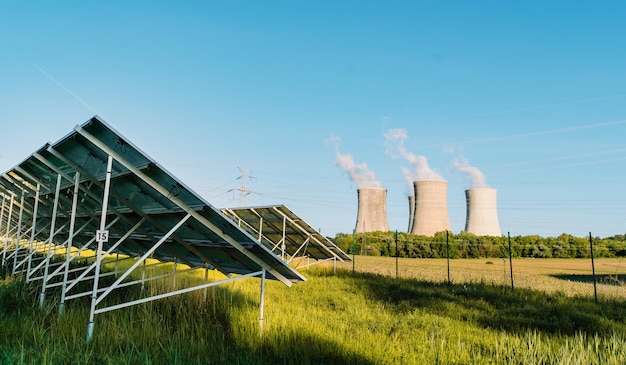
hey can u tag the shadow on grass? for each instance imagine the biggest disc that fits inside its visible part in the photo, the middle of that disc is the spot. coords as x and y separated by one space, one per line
176 330
496 307
226 344
616 279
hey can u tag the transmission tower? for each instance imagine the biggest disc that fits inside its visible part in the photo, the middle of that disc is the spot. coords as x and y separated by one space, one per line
242 189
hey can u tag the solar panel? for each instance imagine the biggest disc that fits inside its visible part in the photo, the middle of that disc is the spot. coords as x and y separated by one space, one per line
140 188
95 190
285 233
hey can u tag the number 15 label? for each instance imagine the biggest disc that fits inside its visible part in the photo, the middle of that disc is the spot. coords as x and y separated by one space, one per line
102 235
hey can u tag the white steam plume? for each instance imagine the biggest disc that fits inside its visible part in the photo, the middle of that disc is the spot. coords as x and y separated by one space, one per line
358 173
408 179
476 176
394 141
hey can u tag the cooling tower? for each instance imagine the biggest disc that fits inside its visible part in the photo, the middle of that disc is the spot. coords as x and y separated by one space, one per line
431 207
372 212
411 212
482 212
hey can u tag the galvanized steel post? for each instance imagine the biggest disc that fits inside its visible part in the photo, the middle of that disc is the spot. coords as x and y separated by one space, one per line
8 230
32 232
262 303
42 295
103 218
19 233
68 252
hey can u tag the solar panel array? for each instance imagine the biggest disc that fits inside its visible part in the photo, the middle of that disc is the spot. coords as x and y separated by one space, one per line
146 204
285 233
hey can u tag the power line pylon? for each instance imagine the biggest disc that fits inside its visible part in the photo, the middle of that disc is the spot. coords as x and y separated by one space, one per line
242 189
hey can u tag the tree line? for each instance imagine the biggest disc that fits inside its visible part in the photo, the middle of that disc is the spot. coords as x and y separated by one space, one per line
467 245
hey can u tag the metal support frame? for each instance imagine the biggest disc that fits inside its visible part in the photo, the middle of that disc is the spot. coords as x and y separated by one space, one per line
33 229
42 295
62 266
68 252
283 246
84 278
262 302
279 247
100 238
34 255
95 299
310 237
181 291
197 216
145 256
46 247
127 283
302 248
93 265
143 275
2 212
19 233
5 246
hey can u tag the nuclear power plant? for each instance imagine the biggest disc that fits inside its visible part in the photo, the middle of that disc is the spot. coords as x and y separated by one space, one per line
482 212
428 210
431 207
372 210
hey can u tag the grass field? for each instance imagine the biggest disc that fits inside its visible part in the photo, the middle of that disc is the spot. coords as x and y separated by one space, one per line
367 317
570 276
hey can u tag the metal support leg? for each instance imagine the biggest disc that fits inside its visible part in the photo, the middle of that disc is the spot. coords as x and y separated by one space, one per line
117 261
6 237
103 218
68 252
174 276
262 304
33 232
19 233
42 296
143 276
4 197
206 279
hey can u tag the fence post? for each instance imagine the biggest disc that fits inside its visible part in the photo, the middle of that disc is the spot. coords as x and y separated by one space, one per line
353 250
448 256
593 270
511 260
396 253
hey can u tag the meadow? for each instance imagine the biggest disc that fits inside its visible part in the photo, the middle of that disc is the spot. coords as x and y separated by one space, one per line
368 316
569 276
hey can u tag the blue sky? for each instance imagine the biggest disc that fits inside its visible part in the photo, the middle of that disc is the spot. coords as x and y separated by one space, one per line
531 94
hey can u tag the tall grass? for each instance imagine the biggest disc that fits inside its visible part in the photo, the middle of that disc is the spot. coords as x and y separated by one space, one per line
348 318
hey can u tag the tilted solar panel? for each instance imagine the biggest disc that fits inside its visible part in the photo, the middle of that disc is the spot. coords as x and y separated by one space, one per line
145 202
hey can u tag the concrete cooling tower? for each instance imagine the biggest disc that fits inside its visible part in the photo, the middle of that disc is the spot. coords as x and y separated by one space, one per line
431 207
482 212
411 212
372 212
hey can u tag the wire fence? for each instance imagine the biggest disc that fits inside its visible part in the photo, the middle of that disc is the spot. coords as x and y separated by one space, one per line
586 275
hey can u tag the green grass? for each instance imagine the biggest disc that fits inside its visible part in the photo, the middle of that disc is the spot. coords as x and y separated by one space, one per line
570 276
360 318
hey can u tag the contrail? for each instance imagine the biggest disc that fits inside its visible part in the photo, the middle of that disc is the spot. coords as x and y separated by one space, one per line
66 89
539 133
562 158
552 105
575 164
